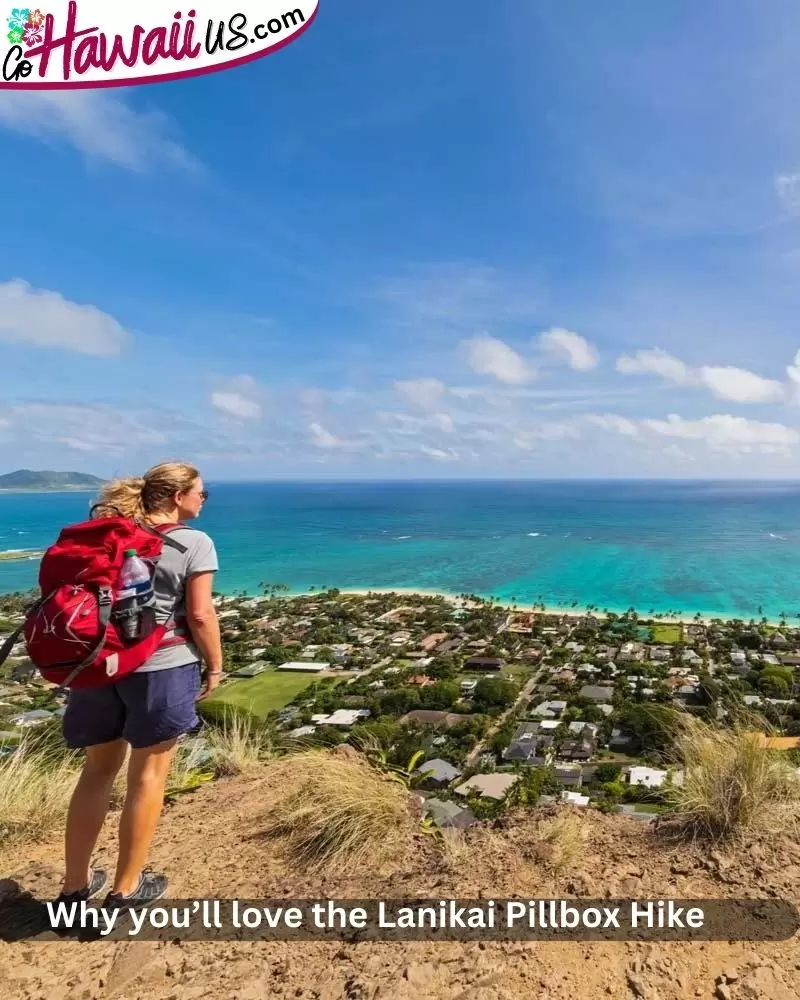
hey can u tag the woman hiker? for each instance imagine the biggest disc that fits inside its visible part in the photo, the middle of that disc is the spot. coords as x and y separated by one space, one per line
151 708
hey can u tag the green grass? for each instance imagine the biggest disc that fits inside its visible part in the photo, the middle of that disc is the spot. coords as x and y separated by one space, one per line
519 671
665 634
268 692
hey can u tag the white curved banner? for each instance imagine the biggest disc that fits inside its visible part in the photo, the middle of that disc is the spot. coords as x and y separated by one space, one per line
74 44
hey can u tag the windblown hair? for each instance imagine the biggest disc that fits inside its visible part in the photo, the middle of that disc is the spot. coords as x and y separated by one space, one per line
138 496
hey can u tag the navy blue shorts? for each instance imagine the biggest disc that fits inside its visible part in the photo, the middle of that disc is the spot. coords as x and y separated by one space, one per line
144 709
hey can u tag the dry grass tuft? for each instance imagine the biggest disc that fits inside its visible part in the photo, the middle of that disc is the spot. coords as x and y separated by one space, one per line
560 840
732 785
238 745
36 784
334 810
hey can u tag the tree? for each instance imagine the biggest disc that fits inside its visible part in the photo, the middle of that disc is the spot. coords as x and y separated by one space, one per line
607 772
494 692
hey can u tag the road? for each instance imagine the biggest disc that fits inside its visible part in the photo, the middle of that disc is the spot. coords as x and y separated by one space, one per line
523 696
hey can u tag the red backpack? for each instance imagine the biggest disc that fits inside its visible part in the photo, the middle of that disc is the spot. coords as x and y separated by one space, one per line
70 632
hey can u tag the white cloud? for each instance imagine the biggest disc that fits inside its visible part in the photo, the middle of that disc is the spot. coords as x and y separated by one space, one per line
655 362
739 385
723 381
793 371
322 437
787 188
613 422
46 319
489 356
100 125
725 432
238 397
426 393
440 454
85 428
568 347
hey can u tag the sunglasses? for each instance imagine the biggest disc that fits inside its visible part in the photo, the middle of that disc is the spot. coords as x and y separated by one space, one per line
204 494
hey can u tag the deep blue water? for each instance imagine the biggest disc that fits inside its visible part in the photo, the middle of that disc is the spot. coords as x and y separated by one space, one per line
723 548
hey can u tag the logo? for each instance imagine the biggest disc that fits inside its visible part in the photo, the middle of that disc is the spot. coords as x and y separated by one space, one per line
93 43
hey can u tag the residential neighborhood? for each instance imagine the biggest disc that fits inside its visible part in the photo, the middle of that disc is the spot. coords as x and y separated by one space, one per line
506 705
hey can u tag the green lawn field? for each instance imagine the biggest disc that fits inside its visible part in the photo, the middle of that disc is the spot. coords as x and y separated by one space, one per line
667 633
268 692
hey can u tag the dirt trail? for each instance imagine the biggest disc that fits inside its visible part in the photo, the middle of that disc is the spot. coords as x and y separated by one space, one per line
210 844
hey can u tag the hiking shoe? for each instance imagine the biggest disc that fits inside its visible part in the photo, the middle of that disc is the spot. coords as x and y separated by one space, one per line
149 889
98 880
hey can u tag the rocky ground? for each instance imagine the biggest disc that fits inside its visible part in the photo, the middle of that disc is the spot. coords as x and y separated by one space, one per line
211 844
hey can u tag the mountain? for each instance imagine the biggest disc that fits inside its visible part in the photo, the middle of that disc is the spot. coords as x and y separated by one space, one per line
25 479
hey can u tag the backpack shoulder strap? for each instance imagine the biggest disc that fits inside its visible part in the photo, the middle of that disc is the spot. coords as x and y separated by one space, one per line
163 531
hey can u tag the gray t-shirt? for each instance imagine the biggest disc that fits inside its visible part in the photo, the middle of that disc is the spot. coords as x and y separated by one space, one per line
174 568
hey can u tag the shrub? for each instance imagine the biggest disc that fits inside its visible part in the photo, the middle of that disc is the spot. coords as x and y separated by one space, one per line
238 744
333 810
35 788
732 784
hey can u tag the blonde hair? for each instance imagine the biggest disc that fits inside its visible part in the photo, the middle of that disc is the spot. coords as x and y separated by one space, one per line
139 496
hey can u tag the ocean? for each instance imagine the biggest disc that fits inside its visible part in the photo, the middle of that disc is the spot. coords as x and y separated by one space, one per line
718 548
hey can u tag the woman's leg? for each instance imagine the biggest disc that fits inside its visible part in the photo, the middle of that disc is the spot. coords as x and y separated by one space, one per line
147 777
88 808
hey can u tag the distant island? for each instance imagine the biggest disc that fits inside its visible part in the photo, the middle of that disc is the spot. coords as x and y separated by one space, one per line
26 479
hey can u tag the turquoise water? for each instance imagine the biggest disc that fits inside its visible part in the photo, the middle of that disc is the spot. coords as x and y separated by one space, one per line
721 548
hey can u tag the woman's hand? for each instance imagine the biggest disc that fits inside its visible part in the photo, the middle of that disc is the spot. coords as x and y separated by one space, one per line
211 679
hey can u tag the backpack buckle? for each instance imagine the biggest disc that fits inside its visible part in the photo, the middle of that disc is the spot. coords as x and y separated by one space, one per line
104 595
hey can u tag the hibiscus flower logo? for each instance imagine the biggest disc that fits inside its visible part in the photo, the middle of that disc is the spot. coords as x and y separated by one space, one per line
33 35
26 26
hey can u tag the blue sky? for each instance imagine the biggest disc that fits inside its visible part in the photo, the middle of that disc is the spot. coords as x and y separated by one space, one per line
437 240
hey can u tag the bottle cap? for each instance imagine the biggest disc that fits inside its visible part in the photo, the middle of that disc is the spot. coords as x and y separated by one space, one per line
130 552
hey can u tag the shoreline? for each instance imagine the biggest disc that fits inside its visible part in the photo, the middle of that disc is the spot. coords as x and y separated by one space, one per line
564 612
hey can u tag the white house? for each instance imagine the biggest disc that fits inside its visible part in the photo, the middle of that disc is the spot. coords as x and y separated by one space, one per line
307 668
575 799
651 777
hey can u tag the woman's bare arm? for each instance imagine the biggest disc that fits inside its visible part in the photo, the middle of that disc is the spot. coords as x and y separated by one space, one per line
203 624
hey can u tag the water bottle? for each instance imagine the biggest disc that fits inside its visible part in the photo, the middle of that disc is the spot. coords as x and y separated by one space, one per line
135 592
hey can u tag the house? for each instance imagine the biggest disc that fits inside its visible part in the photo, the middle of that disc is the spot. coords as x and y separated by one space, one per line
568 774
769 659
790 659
430 642
309 668
631 652
575 799
301 731
588 670
468 687
448 815
738 660
550 709
344 717
691 658
484 664
565 676
489 786
420 680
650 777
581 728
574 647
580 749
450 646
400 639
29 719
251 670
660 654
621 741
438 772
428 717
595 692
